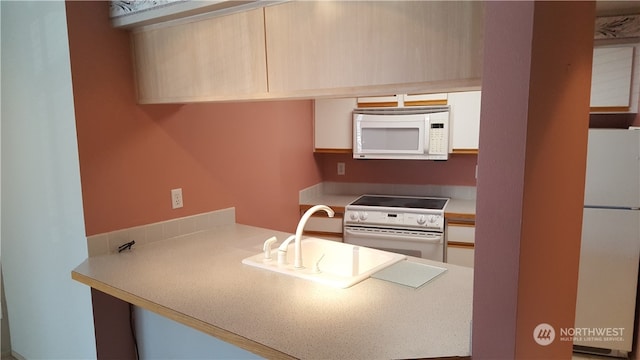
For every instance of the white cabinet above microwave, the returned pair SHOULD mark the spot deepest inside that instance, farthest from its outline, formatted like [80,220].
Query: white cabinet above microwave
[333,124]
[402,100]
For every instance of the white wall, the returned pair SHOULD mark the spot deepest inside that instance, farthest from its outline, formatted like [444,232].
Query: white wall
[161,338]
[43,235]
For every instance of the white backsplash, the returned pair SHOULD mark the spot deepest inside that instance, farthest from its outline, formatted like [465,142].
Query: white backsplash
[108,243]
[339,188]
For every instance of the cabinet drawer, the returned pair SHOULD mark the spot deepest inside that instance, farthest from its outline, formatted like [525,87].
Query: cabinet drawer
[461,232]
[324,225]
[460,255]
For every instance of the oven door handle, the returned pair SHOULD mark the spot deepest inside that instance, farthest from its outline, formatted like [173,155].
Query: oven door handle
[436,239]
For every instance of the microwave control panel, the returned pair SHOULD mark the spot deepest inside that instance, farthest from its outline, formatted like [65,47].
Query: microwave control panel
[438,138]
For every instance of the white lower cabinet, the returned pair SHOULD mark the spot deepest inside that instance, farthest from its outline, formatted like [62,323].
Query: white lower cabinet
[460,242]
[460,255]
[322,226]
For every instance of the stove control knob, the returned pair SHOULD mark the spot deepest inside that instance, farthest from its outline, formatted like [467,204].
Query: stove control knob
[353,215]
[435,220]
[422,219]
[363,215]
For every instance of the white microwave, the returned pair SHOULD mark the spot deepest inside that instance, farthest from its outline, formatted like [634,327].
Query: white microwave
[418,133]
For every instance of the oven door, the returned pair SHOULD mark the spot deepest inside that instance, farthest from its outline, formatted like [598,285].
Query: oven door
[422,244]
[379,135]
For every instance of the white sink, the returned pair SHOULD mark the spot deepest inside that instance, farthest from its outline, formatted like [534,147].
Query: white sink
[339,265]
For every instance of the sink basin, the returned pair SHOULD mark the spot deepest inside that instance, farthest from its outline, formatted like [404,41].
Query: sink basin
[339,265]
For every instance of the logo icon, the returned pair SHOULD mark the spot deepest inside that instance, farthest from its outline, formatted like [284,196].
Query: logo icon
[544,334]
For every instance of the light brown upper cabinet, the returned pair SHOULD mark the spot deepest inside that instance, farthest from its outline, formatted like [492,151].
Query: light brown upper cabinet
[217,58]
[311,49]
[348,47]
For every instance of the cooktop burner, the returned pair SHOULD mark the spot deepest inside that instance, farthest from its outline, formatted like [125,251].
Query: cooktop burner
[401,202]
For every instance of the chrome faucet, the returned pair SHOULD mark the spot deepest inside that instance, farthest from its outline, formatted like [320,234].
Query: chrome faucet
[282,250]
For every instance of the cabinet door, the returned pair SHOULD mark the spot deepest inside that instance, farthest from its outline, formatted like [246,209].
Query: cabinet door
[425,99]
[219,58]
[460,242]
[464,121]
[380,101]
[460,255]
[334,46]
[611,78]
[461,233]
[333,125]
[402,100]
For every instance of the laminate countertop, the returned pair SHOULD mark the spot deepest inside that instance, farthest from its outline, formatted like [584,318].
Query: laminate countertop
[199,280]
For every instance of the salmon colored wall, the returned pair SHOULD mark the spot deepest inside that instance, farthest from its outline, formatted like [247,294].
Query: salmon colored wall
[254,156]
[536,78]
[458,170]
[557,128]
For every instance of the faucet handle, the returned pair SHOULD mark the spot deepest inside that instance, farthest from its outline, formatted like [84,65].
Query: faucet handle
[282,250]
[266,247]
[316,267]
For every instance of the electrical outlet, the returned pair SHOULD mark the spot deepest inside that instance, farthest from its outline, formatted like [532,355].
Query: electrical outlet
[176,198]
[341,168]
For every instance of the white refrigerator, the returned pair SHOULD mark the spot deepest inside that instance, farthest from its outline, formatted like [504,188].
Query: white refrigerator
[610,250]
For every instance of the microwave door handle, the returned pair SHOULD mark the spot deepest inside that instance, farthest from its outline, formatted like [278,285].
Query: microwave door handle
[436,239]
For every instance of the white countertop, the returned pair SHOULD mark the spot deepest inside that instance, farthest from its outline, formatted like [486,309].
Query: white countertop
[331,200]
[460,208]
[199,280]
